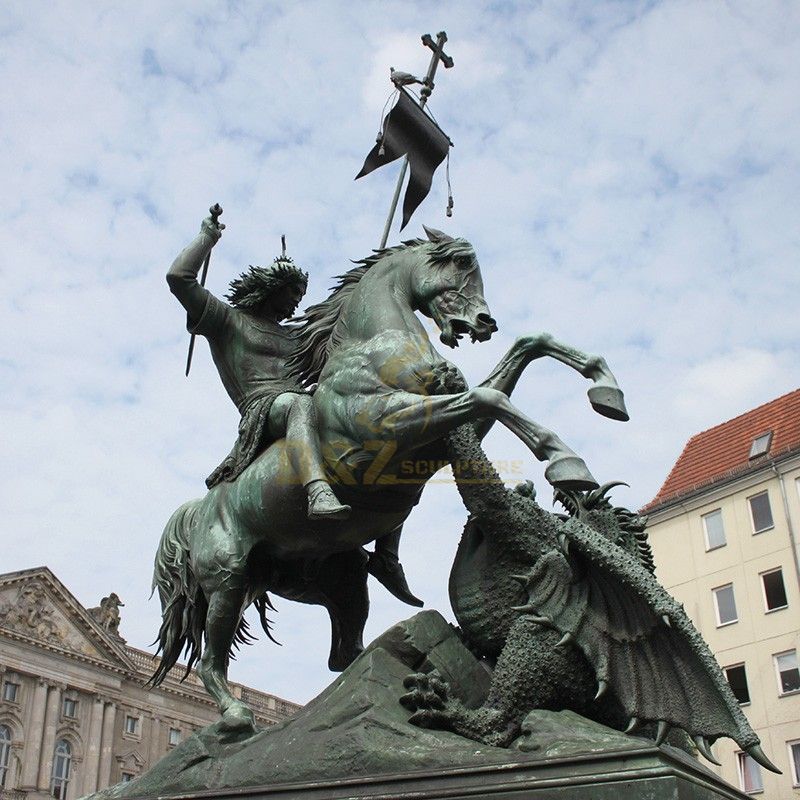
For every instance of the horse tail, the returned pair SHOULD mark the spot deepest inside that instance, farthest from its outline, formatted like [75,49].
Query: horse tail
[183,604]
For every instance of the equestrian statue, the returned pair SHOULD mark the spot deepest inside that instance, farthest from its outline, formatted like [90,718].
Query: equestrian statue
[565,611]
[333,407]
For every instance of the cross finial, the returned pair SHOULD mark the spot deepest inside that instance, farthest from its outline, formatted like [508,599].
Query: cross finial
[438,55]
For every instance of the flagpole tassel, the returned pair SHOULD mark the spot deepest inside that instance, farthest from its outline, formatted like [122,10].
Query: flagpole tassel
[449,211]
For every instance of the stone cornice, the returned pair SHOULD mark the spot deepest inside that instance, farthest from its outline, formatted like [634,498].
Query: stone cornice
[62,651]
[77,615]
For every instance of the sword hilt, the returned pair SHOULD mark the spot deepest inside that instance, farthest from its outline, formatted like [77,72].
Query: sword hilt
[216,213]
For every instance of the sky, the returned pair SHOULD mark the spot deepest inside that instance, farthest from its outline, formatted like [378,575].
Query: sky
[627,173]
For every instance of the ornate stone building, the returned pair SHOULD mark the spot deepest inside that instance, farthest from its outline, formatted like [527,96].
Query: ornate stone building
[75,715]
[723,528]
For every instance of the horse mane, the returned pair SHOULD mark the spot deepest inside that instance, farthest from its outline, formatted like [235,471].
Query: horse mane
[316,329]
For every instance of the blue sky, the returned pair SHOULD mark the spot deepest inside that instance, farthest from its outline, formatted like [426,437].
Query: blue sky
[627,172]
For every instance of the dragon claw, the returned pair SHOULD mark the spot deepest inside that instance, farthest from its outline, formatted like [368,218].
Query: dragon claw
[429,718]
[704,748]
[602,688]
[427,693]
[757,754]
[632,725]
[566,639]
[661,732]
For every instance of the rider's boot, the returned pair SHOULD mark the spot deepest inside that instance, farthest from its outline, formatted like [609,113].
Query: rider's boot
[323,503]
[384,564]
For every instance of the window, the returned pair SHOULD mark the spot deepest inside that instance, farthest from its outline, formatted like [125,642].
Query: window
[788,672]
[174,736]
[760,512]
[714,530]
[774,590]
[127,777]
[760,446]
[131,724]
[749,774]
[10,692]
[794,761]
[62,761]
[737,680]
[70,707]
[5,753]
[725,604]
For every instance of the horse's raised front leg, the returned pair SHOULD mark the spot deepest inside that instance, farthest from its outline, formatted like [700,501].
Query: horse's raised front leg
[605,395]
[425,419]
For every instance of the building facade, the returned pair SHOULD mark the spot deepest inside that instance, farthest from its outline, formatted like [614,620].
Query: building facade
[723,529]
[75,714]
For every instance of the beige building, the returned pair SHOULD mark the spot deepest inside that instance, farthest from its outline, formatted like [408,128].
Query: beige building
[75,714]
[724,528]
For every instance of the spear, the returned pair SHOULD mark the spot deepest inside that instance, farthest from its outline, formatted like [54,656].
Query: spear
[215,211]
[438,55]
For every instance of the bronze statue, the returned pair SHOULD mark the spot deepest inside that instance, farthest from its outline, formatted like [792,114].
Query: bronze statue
[250,349]
[381,399]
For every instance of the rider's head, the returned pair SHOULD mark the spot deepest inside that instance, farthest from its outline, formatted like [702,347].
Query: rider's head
[273,291]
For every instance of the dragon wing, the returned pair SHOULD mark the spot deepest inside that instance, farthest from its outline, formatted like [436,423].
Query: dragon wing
[640,642]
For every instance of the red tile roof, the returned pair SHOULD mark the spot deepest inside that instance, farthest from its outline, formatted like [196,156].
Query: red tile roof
[723,452]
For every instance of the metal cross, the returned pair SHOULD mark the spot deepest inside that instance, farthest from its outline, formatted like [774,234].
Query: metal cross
[438,55]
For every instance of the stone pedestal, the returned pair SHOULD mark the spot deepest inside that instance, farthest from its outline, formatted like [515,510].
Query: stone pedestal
[355,741]
[648,773]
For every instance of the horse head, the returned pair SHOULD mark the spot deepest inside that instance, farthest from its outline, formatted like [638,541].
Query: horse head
[448,288]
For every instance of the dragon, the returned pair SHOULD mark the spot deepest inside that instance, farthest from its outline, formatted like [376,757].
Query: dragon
[567,612]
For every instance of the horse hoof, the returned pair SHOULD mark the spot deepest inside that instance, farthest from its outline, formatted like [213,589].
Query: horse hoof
[570,472]
[342,660]
[608,401]
[238,717]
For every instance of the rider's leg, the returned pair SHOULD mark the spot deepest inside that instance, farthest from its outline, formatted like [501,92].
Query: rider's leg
[292,416]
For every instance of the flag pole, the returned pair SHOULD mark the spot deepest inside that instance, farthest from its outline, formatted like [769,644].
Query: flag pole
[438,55]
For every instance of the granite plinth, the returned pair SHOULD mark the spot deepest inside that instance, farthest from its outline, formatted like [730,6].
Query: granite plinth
[643,774]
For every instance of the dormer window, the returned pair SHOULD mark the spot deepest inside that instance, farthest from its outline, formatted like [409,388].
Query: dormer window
[760,446]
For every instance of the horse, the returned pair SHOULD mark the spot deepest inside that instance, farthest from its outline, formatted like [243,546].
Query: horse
[383,397]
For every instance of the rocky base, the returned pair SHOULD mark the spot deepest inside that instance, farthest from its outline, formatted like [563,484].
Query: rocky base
[354,740]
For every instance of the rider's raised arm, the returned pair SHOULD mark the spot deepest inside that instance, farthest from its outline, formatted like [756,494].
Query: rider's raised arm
[199,303]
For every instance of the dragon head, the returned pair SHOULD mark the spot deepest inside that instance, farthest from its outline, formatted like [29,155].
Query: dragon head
[619,525]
